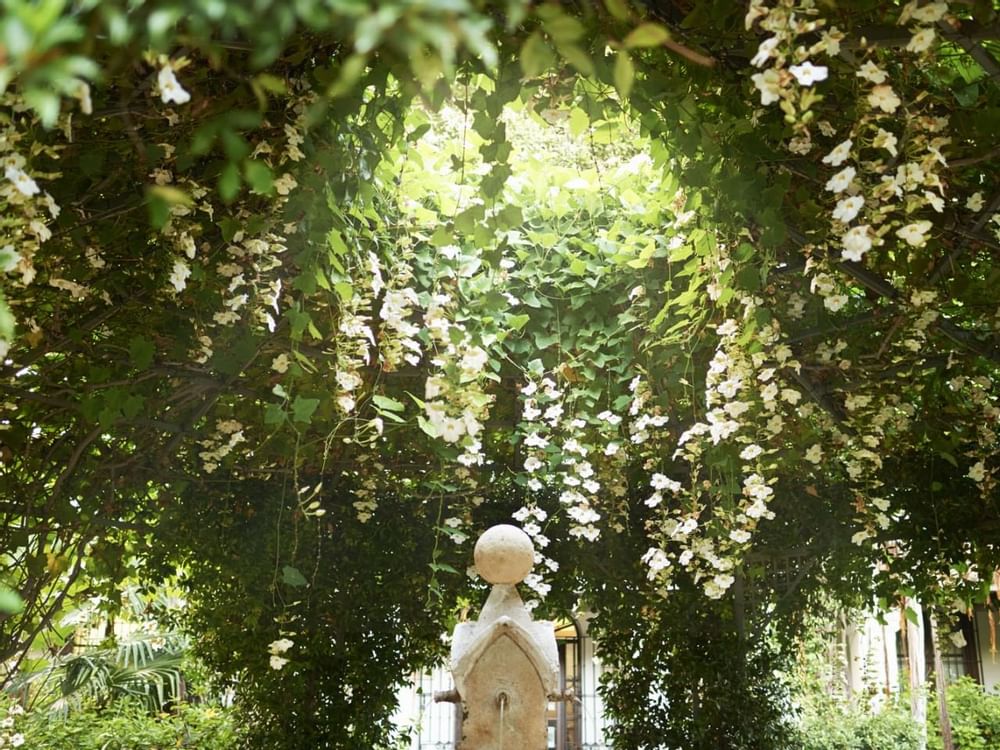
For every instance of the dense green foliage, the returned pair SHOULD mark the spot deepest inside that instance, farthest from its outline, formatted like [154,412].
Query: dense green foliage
[974,716]
[131,727]
[299,297]
[833,728]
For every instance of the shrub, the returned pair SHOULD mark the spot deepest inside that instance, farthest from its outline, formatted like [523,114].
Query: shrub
[128,726]
[974,714]
[831,727]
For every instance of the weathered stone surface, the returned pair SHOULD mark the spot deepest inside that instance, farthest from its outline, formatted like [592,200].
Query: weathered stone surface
[504,554]
[505,665]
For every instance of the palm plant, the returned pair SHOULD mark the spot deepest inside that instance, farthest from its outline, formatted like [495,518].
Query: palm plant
[145,667]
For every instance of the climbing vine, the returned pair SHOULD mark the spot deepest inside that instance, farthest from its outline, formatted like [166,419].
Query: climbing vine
[702,281]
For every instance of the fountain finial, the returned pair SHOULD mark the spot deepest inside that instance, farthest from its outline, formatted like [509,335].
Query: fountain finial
[504,554]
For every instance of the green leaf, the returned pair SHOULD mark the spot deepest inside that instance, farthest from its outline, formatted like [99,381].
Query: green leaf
[618,9]
[578,121]
[517,322]
[646,35]
[259,176]
[427,427]
[10,602]
[577,57]
[293,577]
[304,408]
[344,290]
[229,182]
[140,352]
[545,340]
[274,414]
[536,56]
[564,29]
[624,74]
[6,321]
[384,402]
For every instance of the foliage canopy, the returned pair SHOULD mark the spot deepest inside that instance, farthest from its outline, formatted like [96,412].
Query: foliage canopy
[702,294]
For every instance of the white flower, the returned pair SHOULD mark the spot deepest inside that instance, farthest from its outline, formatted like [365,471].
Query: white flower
[661,482]
[915,233]
[286,184]
[277,662]
[977,473]
[958,638]
[834,302]
[451,429]
[936,201]
[871,72]
[280,363]
[807,74]
[653,500]
[280,646]
[856,243]
[884,98]
[534,440]
[921,41]
[768,83]
[179,275]
[474,360]
[727,328]
[532,464]
[930,13]
[841,181]
[9,258]
[885,139]
[815,453]
[764,52]
[860,537]
[553,413]
[347,380]
[975,202]
[847,208]
[730,388]
[24,184]
[800,145]
[16,740]
[739,536]
[751,452]
[839,154]
[656,559]
[611,449]
[170,88]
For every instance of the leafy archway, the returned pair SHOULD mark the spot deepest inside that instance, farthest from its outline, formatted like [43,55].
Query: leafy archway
[690,287]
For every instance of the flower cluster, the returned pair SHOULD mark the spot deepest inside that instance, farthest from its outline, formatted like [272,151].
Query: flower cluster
[456,403]
[29,210]
[276,649]
[9,734]
[228,434]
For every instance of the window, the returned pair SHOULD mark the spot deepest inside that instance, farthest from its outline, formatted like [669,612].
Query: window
[564,716]
[956,661]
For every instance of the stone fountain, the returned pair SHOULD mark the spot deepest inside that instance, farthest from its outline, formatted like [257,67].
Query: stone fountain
[505,665]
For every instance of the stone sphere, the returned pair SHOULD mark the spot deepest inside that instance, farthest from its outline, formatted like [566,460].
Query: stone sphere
[504,554]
